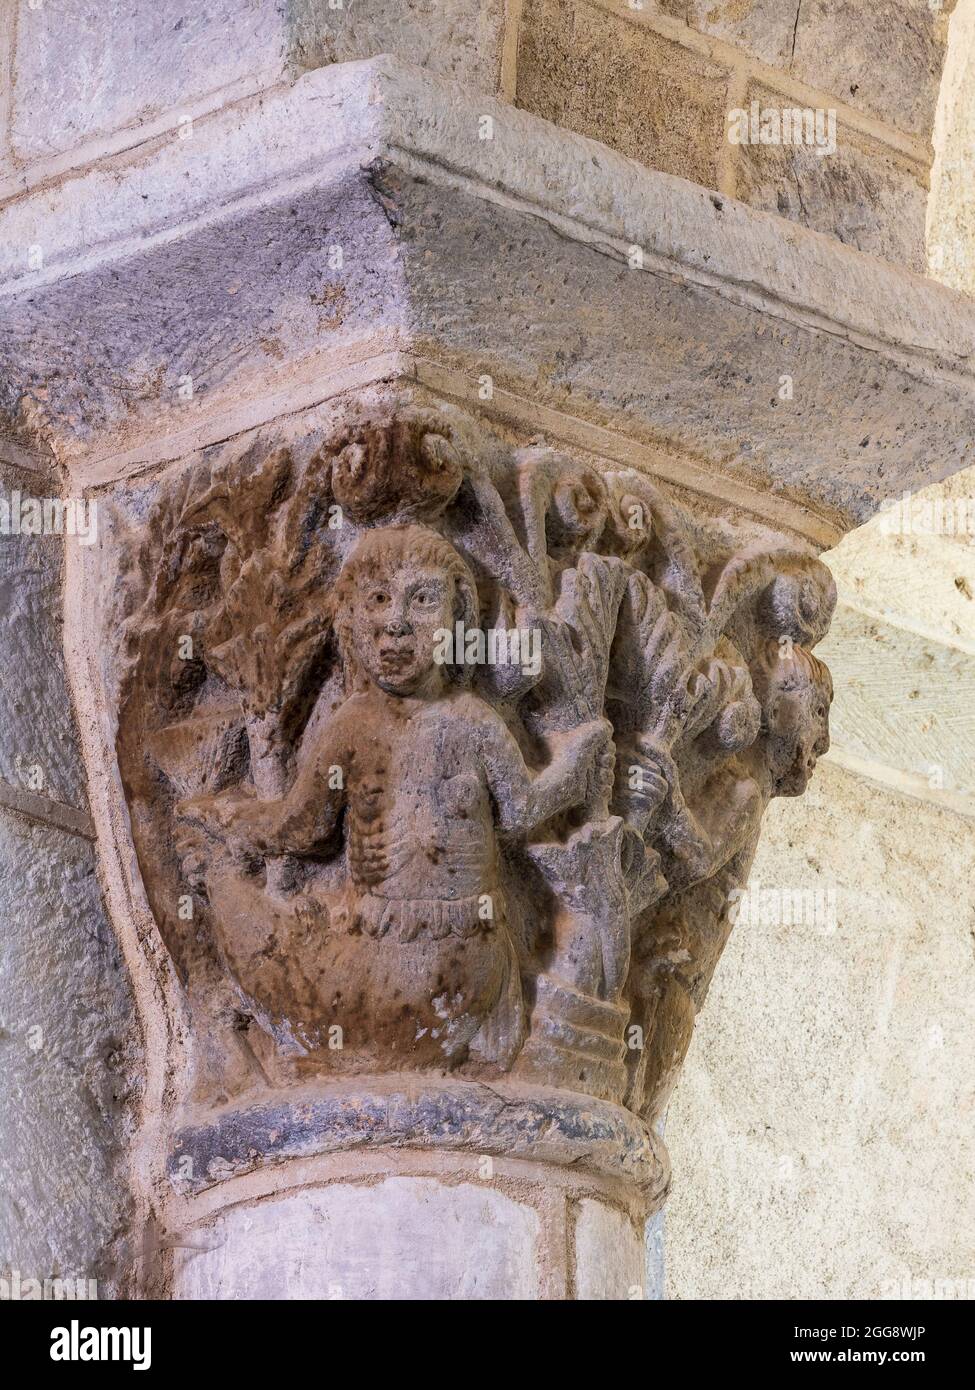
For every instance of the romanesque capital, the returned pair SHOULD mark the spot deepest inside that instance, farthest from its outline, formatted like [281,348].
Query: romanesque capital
[445,759]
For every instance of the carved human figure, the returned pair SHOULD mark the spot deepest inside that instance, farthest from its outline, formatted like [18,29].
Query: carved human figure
[419,777]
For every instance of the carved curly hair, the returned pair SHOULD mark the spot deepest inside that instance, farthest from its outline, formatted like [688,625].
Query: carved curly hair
[791,671]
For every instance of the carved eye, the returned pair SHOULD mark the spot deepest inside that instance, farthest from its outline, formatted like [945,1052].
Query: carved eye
[378,598]
[425,598]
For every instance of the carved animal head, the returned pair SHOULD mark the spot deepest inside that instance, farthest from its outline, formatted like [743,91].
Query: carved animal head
[794,690]
[399,591]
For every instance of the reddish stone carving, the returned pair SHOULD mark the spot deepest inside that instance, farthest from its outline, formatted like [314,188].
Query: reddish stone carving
[410,842]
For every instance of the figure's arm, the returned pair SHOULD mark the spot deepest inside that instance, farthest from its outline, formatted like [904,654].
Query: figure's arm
[526,799]
[303,820]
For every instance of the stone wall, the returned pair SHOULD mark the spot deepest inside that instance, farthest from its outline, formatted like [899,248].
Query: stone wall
[951,218]
[656,79]
[821,1132]
[69,1042]
[152,238]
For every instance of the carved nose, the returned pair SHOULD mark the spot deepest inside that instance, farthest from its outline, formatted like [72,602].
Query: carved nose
[396,627]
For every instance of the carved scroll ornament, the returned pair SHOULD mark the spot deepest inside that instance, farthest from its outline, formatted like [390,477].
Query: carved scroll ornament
[446,756]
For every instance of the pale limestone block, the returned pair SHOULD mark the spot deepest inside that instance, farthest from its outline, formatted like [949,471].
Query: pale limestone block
[402,1238]
[822,1125]
[609,1254]
[885,59]
[84,70]
[859,193]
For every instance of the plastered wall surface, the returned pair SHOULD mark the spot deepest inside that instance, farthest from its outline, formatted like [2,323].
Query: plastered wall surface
[821,1134]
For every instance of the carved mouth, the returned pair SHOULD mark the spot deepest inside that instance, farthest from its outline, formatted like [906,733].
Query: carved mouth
[395,660]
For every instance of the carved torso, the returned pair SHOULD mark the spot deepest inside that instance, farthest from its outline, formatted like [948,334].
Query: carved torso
[421,841]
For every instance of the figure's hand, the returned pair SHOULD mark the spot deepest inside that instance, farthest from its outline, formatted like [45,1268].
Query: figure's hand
[646,774]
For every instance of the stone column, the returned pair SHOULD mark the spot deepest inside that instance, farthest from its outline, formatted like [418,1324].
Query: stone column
[372,375]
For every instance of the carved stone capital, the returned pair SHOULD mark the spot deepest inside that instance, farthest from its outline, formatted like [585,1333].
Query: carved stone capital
[444,758]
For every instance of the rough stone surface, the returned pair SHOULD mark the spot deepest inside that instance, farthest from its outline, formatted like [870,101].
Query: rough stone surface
[904,639]
[887,63]
[555,1128]
[601,76]
[460,39]
[69,1050]
[762,28]
[861,194]
[403,1238]
[826,441]
[728,307]
[83,75]
[609,1254]
[408,859]
[906,701]
[38,745]
[951,215]
[821,1131]
[83,71]
[913,565]
[665,649]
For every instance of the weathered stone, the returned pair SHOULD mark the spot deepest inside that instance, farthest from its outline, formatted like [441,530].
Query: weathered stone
[887,63]
[914,563]
[765,29]
[69,1045]
[503,1119]
[460,39]
[951,218]
[902,694]
[860,194]
[824,1112]
[412,855]
[83,72]
[38,745]
[730,298]
[83,76]
[367,354]
[604,77]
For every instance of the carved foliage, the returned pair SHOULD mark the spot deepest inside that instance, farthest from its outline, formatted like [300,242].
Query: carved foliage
[456,754]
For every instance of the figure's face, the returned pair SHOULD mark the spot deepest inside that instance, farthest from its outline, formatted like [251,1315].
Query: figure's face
[798,722]
[395,620]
